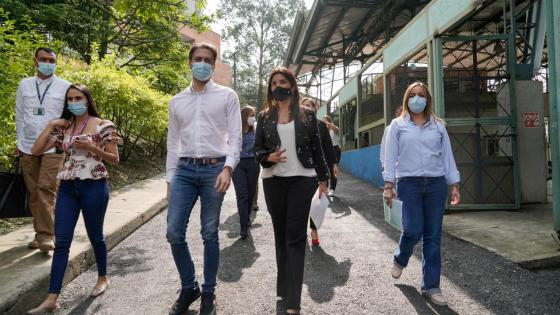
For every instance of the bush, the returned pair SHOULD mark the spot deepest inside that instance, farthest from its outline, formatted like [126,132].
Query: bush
[138,111]
[16,50]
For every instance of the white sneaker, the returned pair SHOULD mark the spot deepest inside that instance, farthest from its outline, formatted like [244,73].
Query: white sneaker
[331,193]
[396,271]
[437,299]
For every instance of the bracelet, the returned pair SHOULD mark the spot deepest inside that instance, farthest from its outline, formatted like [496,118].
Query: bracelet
[387,188]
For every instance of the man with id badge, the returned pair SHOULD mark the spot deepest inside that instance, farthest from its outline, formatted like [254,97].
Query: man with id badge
[39,100]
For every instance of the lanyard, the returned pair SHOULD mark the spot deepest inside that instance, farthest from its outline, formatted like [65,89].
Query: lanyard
[39,96]
[81,128]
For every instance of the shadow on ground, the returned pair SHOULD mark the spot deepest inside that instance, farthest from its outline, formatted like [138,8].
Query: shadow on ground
[323,273]
[235,258]
[464,264]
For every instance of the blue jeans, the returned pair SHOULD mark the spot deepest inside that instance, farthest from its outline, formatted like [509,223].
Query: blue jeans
[190,182]
[422,215]
[92,197]
[245,180]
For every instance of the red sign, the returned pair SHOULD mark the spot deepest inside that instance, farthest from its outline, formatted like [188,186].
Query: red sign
[531,119]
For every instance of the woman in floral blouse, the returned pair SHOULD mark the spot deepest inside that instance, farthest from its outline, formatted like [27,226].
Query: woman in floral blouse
[87,140]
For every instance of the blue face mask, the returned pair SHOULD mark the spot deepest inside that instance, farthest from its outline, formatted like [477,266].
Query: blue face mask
[46,68]
[417,104]
[77,108]
[202,71]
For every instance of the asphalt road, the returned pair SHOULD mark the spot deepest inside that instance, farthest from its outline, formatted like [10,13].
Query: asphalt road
[348,274]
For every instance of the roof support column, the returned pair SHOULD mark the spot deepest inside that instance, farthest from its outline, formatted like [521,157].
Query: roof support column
[553,44]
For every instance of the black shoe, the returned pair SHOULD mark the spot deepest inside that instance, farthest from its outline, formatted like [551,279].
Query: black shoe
[208,304]
[243,233]
[184,301]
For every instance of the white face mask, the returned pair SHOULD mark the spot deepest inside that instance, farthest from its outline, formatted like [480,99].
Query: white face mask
[251,120]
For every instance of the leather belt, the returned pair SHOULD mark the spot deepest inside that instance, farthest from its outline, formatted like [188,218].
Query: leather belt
[203,161]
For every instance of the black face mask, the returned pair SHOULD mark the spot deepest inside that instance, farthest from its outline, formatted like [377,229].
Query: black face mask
[281,93]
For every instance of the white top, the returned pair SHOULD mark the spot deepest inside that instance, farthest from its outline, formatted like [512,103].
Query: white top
[292,166]
[29,125]
[204,124]
[335,138]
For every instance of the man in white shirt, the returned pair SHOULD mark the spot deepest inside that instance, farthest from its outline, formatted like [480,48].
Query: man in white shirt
[40,99]
[203,148]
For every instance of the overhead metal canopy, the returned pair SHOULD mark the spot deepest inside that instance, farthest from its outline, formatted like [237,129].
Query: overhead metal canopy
[336,31]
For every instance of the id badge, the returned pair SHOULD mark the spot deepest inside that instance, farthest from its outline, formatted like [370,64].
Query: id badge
[39,111]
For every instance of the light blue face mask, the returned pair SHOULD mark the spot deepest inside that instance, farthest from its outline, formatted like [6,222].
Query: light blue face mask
[77,108]
[202,71]
[417,104]
[46,68]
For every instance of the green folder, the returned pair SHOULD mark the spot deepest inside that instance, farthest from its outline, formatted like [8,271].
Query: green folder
[393,215]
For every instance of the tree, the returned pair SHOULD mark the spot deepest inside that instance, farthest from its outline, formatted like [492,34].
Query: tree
[259,32]
[142,36]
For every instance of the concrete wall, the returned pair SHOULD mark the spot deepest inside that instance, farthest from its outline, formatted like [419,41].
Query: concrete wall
[364,164]
[533,169]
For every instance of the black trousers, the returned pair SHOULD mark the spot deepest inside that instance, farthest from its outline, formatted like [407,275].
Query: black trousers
[245,180]
[288,200]
[337,153]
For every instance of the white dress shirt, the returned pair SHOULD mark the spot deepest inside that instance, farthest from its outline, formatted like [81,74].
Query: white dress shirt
[204,124]
[29,125]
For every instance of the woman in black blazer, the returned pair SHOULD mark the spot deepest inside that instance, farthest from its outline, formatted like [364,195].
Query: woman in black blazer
[288,146]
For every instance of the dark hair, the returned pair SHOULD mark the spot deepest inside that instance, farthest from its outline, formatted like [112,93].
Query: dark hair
[271,102]
[45,49]
[91,107]
[245,114]
[210,47]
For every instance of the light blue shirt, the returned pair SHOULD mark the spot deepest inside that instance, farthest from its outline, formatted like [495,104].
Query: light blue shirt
[423,151]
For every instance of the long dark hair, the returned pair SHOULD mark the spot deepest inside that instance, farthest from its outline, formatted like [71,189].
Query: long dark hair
[271,102]
[91,106]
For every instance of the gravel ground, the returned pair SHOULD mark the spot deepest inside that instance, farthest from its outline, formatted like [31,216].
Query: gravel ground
[348,274]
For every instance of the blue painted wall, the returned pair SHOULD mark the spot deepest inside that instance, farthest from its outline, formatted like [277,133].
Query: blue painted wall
[363,163]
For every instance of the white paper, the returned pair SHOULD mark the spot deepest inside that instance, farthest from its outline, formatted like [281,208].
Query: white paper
[318,209]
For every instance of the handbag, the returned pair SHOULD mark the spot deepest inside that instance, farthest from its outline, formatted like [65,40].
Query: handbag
[13,193]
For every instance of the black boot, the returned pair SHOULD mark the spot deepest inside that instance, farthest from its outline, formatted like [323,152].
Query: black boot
[184,301]
[208,304]
[244,232]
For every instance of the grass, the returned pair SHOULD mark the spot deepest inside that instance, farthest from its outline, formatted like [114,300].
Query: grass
[138,167]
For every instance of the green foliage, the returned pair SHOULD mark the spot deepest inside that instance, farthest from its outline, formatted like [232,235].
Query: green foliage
[138,111]
[16,50]
[142,36]
[260,32]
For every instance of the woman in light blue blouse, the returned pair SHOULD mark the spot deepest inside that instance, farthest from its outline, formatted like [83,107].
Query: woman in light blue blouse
[246,174]
[419,157]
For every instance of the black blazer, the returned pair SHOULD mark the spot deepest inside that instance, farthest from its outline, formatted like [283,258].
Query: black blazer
[326,142]
[308,142]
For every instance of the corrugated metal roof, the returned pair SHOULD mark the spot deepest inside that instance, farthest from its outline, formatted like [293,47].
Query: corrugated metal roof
[334,31]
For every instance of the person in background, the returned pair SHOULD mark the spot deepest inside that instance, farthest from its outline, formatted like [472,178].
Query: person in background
[288,146]
[87,141]
[40,99]
[334,133]
[246,174]
[419,159]
[398,112]
[203,146]
[329,153]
